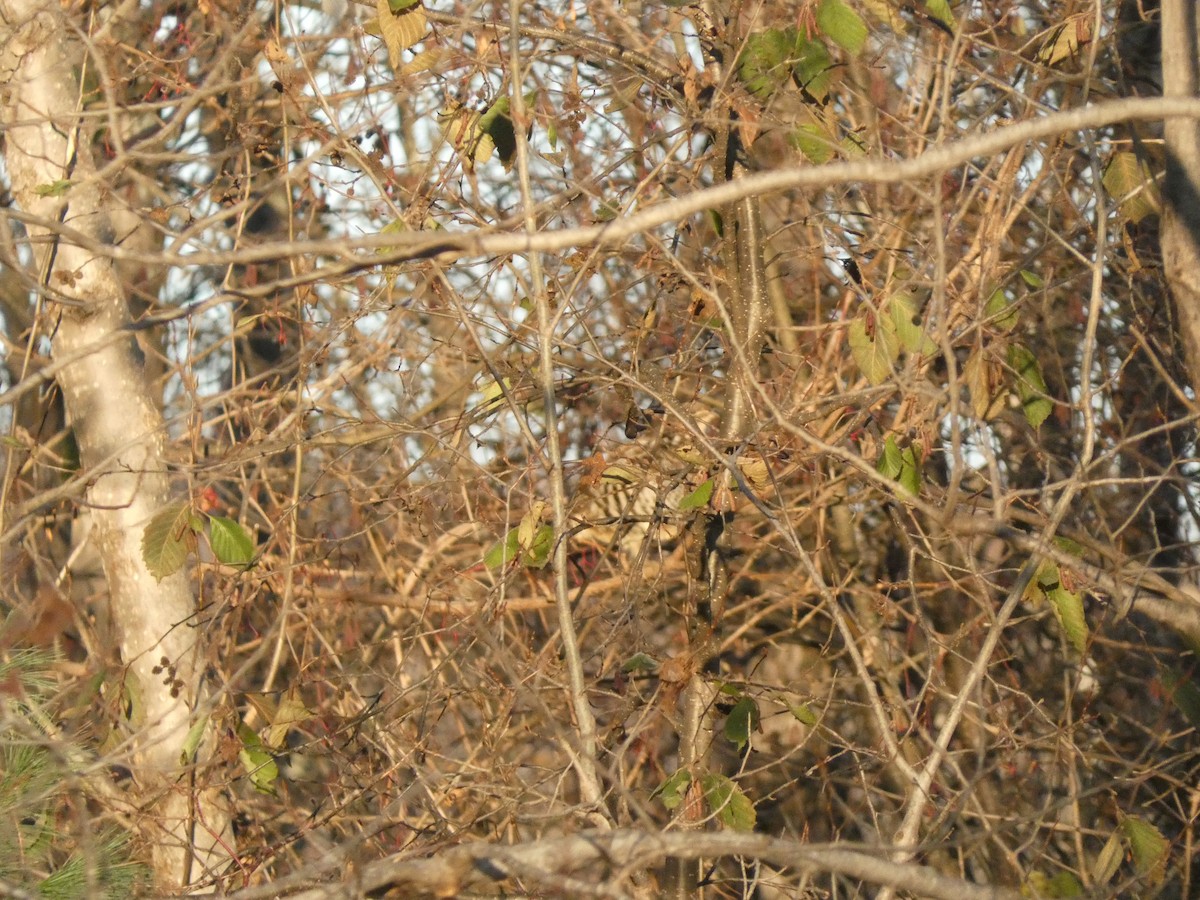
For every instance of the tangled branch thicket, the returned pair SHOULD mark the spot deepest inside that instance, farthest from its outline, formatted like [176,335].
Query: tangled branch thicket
[922,602]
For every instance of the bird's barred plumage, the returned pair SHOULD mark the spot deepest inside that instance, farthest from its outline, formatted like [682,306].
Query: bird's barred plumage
[630,493]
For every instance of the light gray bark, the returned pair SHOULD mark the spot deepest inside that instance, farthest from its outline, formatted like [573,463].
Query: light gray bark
[118,428]
[597,855]
[1181,215]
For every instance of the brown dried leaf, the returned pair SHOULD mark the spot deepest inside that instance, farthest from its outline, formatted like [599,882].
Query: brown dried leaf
[677,669]
[592,471]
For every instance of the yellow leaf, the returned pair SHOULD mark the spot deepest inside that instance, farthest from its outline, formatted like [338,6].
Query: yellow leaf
[1065,40]
[754,470]
[400,30]
[984,378]
[620,475]
[886,13]
[1109,860]
[461,127]
[530,524]
[874,345]
[291,711]
[691,454]
[1128,179]
[422,62]
[493,395]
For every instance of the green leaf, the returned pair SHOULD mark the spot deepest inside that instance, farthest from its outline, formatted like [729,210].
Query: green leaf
[640,662]
[803,714]
[697,499]
[766,61]
[532,539]
[259,764]
[771,56]
[813,142]
[498,110]
[842,25]
[537,554]
[1030,386]
[1032,279]
[169,536]
[1048,584]
[1068,609]
[874,345]
[853,146]
[1000,314]
[812,69]
[1128,179]
[1067,545]
[1184,694]
[1065,884]
[939,11]
[191,743]
[907,319]
[673,789]
[497,125]
[132,699]
[54,189]
[741,722]
[1148,848]
[398,6]
[910,470]
[606,211]
[903,466]
[732,807]
[1062,885]
[890,462]
[1044,581]
[504,550]
[230,542]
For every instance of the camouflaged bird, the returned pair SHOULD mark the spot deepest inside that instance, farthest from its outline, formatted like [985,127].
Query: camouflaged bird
[630,494]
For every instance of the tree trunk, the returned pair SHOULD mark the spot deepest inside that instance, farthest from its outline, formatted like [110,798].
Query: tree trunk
[118,428]
[1181,215]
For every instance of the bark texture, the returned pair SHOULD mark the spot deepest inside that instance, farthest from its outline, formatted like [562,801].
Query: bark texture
[1181,215]
[118,427]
